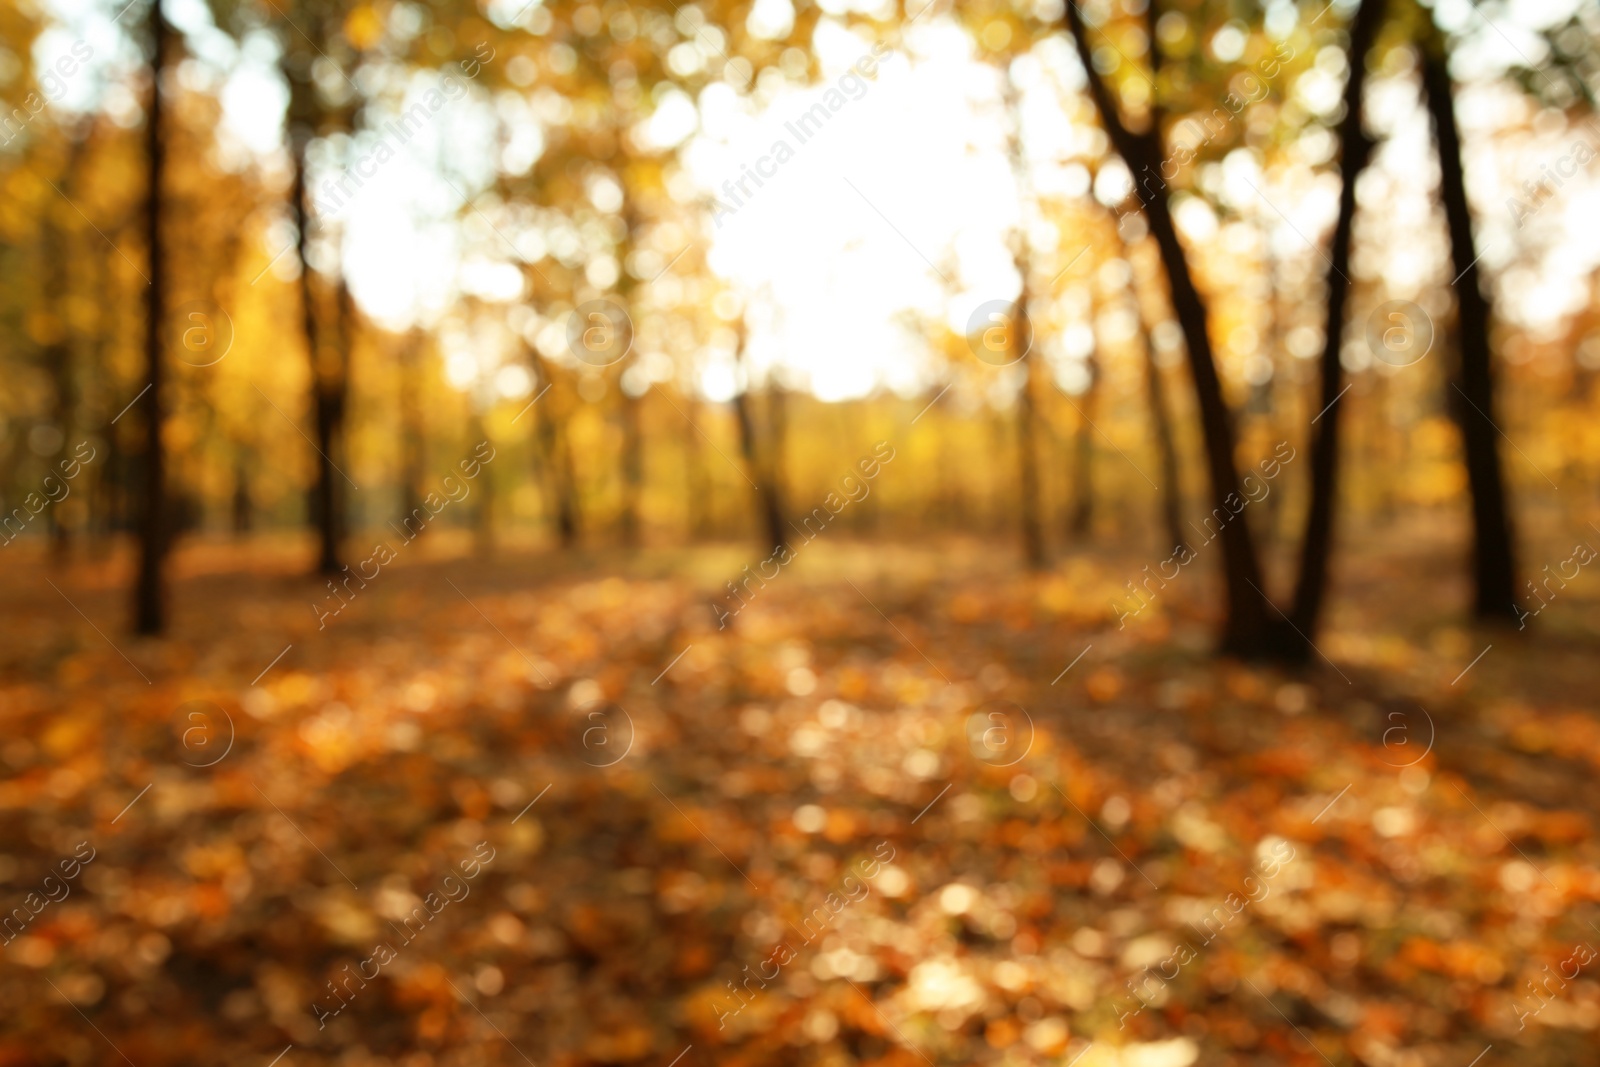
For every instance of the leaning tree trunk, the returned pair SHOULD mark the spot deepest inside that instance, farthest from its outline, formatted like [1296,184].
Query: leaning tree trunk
[1493,567]
[149,599]
[1356,149]
[1247,627]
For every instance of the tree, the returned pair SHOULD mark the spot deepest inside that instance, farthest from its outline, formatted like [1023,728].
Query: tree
[1019,336]
[329,356]
[771,507]
[149,597]
[1493,567]
[1355,150]
[55,244]
[1247,629]
[553,454]
[1080,516]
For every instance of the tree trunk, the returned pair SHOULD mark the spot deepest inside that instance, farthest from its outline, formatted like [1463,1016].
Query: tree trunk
[411,442]
[557,460]
[325,498]
[702,513]
[483,509]
[348,327]
[242,509]
[1247,627]
[1019,334]
[58,353]
[1028,458]
[1493,568]
[1356,149]
[149,600]
[766,492]
[778,431]
[632,468]
[1080,517]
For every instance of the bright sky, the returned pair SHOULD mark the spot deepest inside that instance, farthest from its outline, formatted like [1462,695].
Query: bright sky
[898,210]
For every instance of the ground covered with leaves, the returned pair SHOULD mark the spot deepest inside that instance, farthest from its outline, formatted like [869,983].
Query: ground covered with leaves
[910,805]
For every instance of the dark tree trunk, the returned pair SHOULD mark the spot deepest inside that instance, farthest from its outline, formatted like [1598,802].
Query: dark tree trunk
[632,468]
[1493,568]
[1356,149]
[1028,459]
[766,491]
[702,513]
[326,493]
[348,323]
[483,508]
[1248,628]
[556,460]
[58,353]
[242,508]
[778,430]
[149,599]
[1080,516]
[411,431]
[771,510]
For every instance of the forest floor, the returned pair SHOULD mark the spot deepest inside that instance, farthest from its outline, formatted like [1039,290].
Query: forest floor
[918,805]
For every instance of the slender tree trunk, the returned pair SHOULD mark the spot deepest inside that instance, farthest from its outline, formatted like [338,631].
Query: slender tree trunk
[1019,334]
[1248,628]
[242,511]
[556,459]
[766,492]
[632,468]
[98,493]
[1080,516]
[348,323]
[1028,460]
[149,603]
[58,354]
[1356,149]
[483,510]
[323,409]
[778,430]
[411,430]
[1493,566]
[702,513]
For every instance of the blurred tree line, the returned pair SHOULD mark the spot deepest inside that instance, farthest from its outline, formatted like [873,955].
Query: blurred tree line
[181,308]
